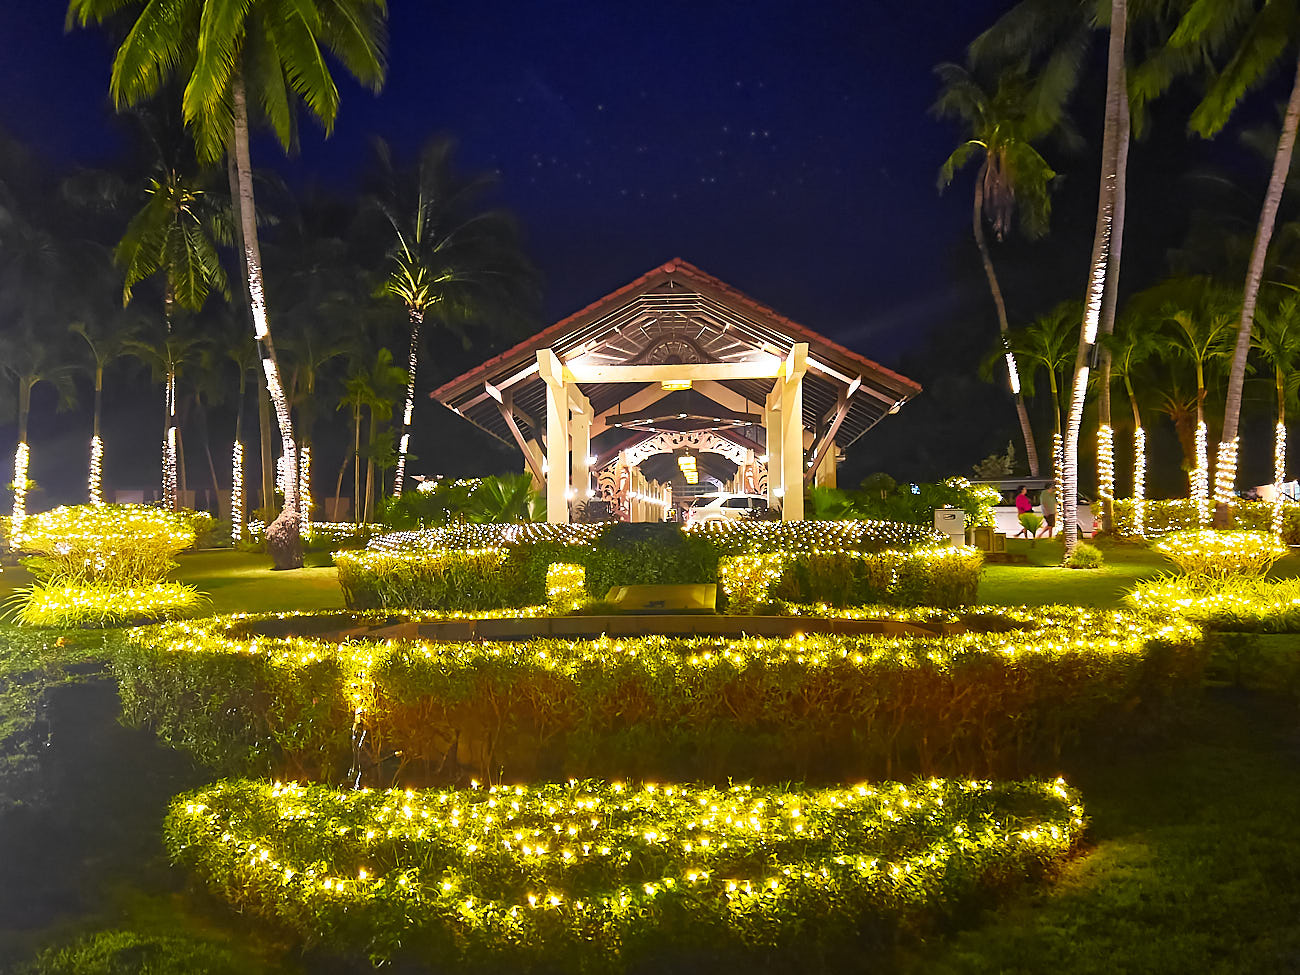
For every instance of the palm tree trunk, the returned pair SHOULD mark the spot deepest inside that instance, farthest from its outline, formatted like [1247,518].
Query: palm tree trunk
[1004,326]
[1139,461]
[21,456]
[417,319]
[96,479]
[283,537]
[1104,263]
[1227,460]
[1107,327]
[1279,454]
[171,500]
[356,461]
[338,489]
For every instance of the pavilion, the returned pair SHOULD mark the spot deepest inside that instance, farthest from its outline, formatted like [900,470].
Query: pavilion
[674,378]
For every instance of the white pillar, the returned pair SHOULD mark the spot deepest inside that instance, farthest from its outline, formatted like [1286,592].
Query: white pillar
[580,432]
[772,424]
[557,438]
[791,381]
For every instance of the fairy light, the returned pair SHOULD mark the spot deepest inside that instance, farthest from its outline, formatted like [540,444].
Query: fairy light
[237,493]
[1013,374]
[722,858]
[20,496]
[1201,477]
[408,412]
[1058,464]
[566,586]
[1105,462]
[1279,476]
[95,483]
[1139,480]
[1225,474]
[1218,554]
[304,489]
[170,497]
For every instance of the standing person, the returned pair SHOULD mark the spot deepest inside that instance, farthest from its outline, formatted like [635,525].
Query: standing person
[1047,498]
[1024,505]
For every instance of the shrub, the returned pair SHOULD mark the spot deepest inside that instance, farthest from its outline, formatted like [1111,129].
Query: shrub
[1009,694]
[648,553]
[739,537]
[566,587]
[1031,521]
[1084,556]
[1221,553]
[1237,603]
[99,604]
[457,579]
[119,545]
[945,577]
[1162,517]
[132,953]
[590,876]
[917,507]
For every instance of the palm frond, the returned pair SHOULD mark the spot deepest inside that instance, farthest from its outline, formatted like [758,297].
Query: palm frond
[293,28]
[157,42]
[355,32]
[1269,34]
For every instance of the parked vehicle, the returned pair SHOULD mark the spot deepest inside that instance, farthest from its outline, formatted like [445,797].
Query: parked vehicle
[723,507]
[1007,518]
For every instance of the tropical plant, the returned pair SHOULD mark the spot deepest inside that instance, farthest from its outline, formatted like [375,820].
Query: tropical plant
[106,338]
[1000,123]
[1236,45]
[1046,345]
[1278,340]
[506,498]
[1131,347]
[450,261]
[225,53]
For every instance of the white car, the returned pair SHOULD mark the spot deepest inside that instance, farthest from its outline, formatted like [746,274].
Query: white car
[724,507]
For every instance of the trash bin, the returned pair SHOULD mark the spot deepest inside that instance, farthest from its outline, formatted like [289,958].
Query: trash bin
[951,522]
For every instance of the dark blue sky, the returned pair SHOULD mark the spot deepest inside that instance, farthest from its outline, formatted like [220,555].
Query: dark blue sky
[784,147]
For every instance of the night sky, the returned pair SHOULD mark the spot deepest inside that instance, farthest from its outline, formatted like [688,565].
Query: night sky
[784,148]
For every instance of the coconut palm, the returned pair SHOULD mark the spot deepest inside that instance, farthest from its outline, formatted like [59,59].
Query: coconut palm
[226,54]
[1201,333]
[450,261]
[1130,349]
[241,350]
[376,387]
[1278,340]
[1048,344]
[106,339]
[1237,46]
[1000,128]
[174,235]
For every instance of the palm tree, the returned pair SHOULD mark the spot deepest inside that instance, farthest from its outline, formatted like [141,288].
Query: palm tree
[506,498]
[28,361]
[1130,349]
[226,53]
[106,340]
[1000,129]
[1048,344]
[242,351]
[449,260]
[1278,339]
[1249,40]
[174,235]
[1200,337]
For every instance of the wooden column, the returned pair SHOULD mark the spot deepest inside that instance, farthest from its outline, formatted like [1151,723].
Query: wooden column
[557,438]
[580,432]
[796,364]
[772,425]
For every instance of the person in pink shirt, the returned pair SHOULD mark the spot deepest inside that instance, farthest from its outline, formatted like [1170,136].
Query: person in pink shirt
[1024,505]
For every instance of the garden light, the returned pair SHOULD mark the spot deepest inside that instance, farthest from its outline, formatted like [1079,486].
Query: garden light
[20,497]
[95,483]
[1200,479]
[237,493]
[1225,474]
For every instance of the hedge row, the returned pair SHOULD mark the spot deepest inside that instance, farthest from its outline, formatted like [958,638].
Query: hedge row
[393,577]
[597,877]
[946,577]
[1179,514]
[1004,698]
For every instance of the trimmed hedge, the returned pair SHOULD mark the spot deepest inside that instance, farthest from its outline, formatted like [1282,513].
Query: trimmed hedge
[596,877]
[1179,514]
[1218,554]
[945,578]
[1008,697]
[452,579]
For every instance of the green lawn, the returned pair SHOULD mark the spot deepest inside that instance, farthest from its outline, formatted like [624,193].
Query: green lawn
[1044,582]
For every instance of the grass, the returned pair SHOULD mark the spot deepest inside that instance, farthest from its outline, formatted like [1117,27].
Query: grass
[1044,582]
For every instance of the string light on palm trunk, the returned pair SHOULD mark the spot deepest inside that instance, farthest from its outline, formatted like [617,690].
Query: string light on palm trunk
[1201,477]
[20,496]
[1225,475]
[1279,475]
[1139,480]
[237,493]
[304,490]
[96,471]
[1105,462]
[412,361]
[169,469]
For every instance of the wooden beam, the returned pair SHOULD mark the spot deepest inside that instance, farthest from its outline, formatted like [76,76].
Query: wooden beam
[768,367]
[841,411]
[508,415]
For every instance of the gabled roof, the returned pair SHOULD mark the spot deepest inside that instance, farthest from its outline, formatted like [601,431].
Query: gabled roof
[678,313]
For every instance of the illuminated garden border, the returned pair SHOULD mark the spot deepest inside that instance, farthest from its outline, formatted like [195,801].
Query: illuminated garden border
[596,874]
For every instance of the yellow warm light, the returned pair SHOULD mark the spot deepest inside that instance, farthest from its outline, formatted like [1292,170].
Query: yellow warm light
[20,497]
[1225,475]
[95,483]
[1201,477]
[237,493]
[1279,476]
[1105,462]
[672,385]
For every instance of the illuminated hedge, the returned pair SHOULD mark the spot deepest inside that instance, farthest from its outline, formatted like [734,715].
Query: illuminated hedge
[594,876]
[456,579]
[943,577]
[122,545]
[1217,554]
[1179,514]
[102,605]
[1009,694]
[1236,603]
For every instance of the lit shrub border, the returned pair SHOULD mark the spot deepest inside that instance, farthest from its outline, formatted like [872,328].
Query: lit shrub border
[1007,697]
[114,544]
[1236,603]
[453,579]
[1179,514]
[590,875]
[102,605]
[1217,554]
[945,578]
